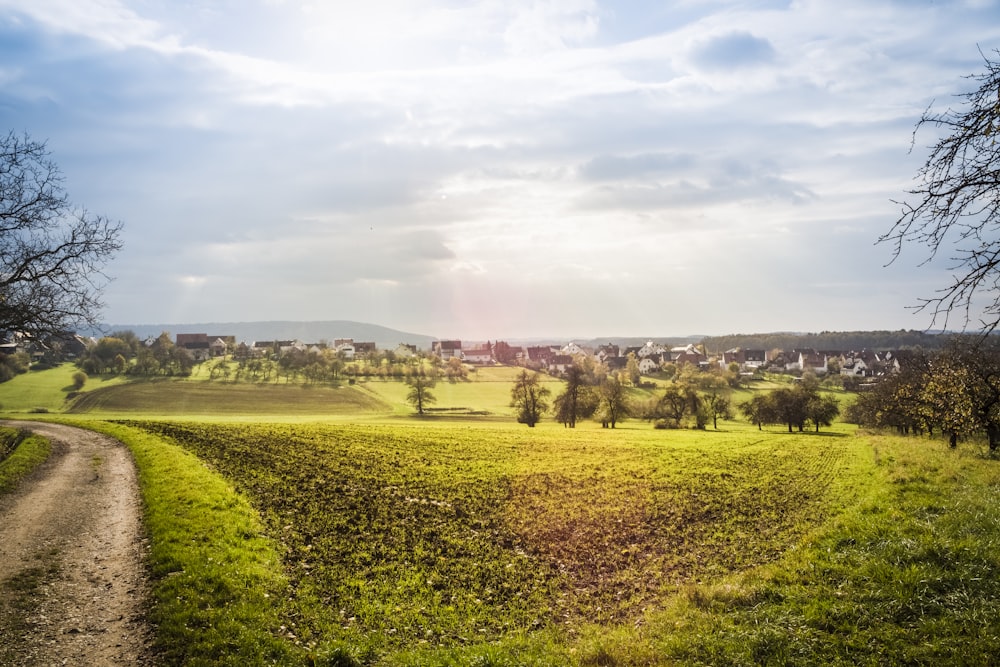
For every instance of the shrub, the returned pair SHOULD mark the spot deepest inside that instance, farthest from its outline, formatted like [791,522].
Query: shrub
[79,379]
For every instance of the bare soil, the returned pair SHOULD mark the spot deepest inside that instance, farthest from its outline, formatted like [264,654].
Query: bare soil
[73,584]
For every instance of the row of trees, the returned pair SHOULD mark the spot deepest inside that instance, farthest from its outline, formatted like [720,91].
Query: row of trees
[604,399]
[793,406]
[692,398]
[123,353]
[955,392]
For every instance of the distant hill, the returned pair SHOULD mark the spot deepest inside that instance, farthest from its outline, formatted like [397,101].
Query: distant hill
[307,332]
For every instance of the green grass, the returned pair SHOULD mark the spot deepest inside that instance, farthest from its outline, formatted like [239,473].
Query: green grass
[45,390]
[216,575]
[457,538]
[379,539]
[485,393]
[29,454]
[168,397]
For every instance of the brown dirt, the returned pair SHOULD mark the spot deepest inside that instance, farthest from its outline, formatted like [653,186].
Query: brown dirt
[73,584]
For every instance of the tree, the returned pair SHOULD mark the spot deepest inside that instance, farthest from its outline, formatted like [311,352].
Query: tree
[976,382]
[420,394]
[760,410]
[567,404]
[957,202]
[613,406]
[715,396]
[632,368]
[527,397]
[679,399]
[790,406]
[52,254]
[822,410]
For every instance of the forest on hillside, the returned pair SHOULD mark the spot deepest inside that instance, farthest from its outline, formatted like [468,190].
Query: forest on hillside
[842,341]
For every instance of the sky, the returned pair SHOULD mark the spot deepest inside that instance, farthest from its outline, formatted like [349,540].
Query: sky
[498,168]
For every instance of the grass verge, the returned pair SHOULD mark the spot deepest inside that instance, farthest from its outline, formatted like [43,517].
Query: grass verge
[215,575]
[29,454]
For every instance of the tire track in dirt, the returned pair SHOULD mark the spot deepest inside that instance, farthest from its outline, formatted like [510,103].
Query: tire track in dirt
[73,584]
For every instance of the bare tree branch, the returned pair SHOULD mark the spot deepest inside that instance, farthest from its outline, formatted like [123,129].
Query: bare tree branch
[51,254]
[956,205]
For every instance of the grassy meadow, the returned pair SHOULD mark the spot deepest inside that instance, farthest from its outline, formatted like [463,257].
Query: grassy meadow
[331,526]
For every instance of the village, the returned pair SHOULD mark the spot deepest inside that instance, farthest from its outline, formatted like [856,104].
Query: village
[651,357]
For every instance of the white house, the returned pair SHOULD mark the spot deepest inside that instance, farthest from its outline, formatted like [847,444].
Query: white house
[478,355]
[651,349]
[648,365]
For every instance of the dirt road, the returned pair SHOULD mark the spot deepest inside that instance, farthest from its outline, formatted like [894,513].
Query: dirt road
[73,588]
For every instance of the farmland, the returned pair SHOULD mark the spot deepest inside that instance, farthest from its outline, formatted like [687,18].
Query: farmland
[448,535]
[365,536]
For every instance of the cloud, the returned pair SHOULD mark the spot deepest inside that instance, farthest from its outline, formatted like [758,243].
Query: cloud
[616,167]
[735,50]
[405,161]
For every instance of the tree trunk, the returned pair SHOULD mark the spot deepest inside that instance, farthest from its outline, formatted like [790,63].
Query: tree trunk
[993,434]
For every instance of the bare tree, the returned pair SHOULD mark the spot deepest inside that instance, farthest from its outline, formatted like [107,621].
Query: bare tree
[956,204]
[51,253]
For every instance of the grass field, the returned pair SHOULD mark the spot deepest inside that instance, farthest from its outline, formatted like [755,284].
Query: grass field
[360,535]
[46,390]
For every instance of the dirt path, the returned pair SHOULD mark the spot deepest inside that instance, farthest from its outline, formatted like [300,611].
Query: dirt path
[73,588]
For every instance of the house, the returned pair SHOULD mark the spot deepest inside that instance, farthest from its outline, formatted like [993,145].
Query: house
[572,349]
[605,352]
[446,349]
[748,360]
[405,351]
[897,360]
[539,356]
[560,362]
[478,355]
[688,354]
[855,364]
[807,360]
[265,348]
[196,344]
[615,364]
[648,365]
[345,349]
[503,353]
[651,349]
[364,349]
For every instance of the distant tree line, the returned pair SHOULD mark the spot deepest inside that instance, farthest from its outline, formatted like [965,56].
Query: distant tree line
[830,340]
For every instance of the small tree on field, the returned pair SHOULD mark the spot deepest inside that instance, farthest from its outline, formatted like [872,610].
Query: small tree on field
[759,410]
[568,404]
[822,410]
[79,379]
[419,395]
[528,398]
[715,394]
[613,406]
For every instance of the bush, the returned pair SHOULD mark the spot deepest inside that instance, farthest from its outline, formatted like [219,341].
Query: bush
[79,379]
